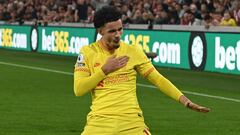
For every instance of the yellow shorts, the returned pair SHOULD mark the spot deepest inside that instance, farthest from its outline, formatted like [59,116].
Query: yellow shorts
[100,125]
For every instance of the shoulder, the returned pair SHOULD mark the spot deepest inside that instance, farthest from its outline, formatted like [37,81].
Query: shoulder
[232,20]
[134,51]
[131,48]
[89,49]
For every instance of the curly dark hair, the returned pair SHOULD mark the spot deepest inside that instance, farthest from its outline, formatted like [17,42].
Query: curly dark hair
[105,15]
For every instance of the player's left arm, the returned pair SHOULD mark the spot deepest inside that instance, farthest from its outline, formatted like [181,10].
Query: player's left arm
[147,70]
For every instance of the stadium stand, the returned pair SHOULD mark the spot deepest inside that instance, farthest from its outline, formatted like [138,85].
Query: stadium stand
[177,12]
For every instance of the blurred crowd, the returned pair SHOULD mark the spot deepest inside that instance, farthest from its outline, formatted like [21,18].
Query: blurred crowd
[182,12]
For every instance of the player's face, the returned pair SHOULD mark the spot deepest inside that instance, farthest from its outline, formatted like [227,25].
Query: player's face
[111,34]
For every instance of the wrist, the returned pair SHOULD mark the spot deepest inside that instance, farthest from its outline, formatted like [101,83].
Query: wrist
[185,101]
[105,70]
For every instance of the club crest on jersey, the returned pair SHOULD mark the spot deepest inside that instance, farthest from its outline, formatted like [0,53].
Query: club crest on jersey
[80,61]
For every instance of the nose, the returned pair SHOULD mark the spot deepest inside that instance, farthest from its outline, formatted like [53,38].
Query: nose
[118,33]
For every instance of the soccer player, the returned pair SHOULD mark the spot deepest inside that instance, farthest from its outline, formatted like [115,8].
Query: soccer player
[107,68]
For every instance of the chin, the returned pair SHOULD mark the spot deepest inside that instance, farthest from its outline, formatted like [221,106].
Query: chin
[116,46]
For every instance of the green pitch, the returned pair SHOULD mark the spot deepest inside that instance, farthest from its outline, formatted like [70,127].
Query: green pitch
[34,101]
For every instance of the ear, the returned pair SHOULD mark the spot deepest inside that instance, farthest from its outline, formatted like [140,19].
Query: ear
[100,31]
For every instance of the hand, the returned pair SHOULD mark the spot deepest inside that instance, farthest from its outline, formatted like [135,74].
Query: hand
[197,108]
[189,104]
[114,63]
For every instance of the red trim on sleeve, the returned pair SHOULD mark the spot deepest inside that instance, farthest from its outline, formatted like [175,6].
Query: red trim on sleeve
[82,69]
[148,72]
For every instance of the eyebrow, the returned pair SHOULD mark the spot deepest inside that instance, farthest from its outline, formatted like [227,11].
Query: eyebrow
[114,30]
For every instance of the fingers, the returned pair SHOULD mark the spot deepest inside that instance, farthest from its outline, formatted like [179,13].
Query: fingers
[203,109]
[122,61]
[123,58]
[198,108]
[114,63]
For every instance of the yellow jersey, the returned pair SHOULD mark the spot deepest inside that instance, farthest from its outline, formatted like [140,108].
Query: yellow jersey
[115,94]
[230,22]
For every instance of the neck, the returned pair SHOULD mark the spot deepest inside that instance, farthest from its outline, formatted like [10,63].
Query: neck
[106,47]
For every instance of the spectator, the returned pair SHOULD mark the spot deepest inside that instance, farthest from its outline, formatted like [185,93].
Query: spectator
[207,21]
[69,15]
[197,3]
[61,13]
[159,8]
[161,18]
[209,4]
[134,11]
[137,17]
[82,10]
[195,11]
[192,19]
[97,4]
[173,14]
[179,9]
[204,11]
[30,14]
[184,19]
[126,10]
[5,13]
[90,14]
[236,13]
[218,6]
[227,20]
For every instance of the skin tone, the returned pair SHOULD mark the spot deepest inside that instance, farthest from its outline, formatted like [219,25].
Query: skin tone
[110,41]
[111,35]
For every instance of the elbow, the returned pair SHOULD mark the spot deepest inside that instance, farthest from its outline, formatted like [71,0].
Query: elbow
[77,94]
[77,91]
[78,88]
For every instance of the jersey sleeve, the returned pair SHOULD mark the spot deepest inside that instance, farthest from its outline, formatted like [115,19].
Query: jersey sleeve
[164,85]
[84,80]
[147,70]
[144,65]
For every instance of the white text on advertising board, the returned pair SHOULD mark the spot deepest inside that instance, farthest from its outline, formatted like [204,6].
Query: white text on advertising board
[229,56]
[60,41]
[167,52]
[8,38]
[140,40]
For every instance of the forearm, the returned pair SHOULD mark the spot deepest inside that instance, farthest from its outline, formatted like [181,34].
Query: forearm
[83,85]
[169,89]
[164,85]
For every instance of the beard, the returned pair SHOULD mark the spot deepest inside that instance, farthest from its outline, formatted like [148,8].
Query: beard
[116,43]
[113,43]
[116,46]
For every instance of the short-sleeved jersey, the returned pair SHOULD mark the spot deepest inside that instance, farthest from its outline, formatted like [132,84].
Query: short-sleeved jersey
[115,95]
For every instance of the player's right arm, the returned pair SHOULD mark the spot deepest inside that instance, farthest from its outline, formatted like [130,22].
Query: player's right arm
[84,84]
[84,80]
